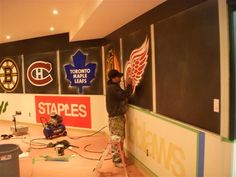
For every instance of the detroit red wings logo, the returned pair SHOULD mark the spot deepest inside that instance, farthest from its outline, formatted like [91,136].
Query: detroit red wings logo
[135,66]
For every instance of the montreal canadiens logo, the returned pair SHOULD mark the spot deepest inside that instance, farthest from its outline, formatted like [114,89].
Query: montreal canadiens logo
[38,73]
[9,75]
[135,66]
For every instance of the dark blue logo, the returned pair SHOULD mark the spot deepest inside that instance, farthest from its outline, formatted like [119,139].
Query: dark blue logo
[79,74]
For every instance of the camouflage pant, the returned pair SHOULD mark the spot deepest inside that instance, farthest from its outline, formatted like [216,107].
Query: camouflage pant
[117,127]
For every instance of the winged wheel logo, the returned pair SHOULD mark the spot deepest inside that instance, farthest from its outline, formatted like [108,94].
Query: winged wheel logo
[135,66]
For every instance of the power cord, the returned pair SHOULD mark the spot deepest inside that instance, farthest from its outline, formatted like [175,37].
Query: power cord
[88,158]
[40,145]
[85,149]
[78,137]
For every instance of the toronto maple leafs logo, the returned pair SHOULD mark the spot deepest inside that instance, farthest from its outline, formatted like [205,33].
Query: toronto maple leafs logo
[135,66]
[79,74]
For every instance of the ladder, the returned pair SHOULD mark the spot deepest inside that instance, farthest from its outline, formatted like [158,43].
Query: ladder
[116,142]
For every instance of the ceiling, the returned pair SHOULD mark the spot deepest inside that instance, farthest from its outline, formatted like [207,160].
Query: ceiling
[82,19]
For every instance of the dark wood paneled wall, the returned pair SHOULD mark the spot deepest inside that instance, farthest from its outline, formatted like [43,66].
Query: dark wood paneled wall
[165,10]
[45,44]
[191,50]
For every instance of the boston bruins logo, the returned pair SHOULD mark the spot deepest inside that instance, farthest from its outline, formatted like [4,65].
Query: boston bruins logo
[9,75]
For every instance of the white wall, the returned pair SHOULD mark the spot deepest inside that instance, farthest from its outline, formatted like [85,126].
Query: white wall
[171,148]
[165,146]
[26,104]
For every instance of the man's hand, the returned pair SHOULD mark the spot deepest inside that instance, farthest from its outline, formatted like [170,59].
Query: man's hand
[128,81]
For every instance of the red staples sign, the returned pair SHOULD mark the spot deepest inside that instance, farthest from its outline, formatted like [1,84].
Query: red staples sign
[74,110]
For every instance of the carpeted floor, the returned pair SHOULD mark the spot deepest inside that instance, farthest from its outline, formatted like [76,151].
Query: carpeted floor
[38,160]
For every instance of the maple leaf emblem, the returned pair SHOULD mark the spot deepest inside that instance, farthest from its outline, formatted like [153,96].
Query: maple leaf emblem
[79,74]
[135,66]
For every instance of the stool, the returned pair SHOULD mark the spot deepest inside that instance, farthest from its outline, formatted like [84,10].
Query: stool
[115,140]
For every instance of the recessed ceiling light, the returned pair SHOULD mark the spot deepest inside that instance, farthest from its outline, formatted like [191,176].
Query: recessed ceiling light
[51,28]
[55,12]
[8,37]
